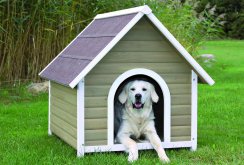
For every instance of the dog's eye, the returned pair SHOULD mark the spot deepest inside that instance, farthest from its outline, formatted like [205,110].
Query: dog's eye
[144,89]
[133,89]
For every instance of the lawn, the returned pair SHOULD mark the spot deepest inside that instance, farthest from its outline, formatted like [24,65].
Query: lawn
[23,119]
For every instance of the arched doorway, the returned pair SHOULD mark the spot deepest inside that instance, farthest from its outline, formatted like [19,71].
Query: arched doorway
[159,83]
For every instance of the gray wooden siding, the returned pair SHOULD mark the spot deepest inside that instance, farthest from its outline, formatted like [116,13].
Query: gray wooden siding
[63,113]
[142,47]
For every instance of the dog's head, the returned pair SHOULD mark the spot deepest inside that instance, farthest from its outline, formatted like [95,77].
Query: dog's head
[138,93]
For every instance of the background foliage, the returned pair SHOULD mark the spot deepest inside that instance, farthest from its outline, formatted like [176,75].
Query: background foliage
[233,11]
[33,32]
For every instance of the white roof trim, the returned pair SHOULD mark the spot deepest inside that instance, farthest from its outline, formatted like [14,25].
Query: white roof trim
[201,72]
[106,49]
[143,9]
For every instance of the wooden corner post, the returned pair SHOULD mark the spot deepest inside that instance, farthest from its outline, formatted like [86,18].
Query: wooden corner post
[49,108]
[80,119]
[194,111]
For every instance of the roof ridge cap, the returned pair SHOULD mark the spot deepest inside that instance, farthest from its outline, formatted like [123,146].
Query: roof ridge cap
[145,9]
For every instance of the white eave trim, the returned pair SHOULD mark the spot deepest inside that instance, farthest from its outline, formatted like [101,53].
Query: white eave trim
[143,9]
[106,49]
[201,72]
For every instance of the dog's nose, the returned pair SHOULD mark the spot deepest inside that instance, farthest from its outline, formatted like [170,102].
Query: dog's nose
[138,96]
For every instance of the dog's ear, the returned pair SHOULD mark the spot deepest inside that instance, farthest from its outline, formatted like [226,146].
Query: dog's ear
[123,95]
[154,95]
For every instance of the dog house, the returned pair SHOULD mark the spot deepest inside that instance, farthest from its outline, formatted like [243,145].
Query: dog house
[113,48]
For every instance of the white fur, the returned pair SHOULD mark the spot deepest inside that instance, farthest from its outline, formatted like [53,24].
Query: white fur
[139,121]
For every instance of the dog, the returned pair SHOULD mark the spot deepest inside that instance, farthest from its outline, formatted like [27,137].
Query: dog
[137,120]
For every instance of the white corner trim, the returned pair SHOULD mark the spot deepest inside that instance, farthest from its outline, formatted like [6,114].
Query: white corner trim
[143,9]
[194,111]
[140,146]
[49,108]
[65,48]
[80,119]
[181,49]
[166,96]
[106,49]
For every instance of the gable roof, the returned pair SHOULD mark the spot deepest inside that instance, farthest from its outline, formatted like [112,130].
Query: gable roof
[98,38]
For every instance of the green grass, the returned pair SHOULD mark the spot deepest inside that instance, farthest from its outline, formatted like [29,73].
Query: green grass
[23,129]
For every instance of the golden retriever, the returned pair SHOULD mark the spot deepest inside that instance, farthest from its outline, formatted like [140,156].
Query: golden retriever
[138,119]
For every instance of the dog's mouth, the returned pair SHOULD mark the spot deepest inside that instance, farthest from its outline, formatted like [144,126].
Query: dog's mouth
[138,105]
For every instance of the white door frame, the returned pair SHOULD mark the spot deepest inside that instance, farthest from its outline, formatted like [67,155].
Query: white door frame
[166,96]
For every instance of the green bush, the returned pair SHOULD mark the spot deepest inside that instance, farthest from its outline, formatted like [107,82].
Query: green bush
[234,15]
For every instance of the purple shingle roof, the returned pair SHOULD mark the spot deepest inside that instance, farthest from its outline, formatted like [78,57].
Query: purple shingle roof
[99,37]
[84,48]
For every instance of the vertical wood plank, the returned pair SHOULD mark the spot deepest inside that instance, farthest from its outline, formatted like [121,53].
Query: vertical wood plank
[194,112]
[80,119]
[49,108]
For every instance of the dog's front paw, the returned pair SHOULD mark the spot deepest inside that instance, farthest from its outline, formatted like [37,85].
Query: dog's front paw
[164,158]
[133,156]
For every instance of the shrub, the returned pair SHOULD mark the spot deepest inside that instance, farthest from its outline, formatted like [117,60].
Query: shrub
[234,15]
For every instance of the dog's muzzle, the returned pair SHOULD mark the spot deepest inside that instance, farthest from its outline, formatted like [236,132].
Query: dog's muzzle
[138,104]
